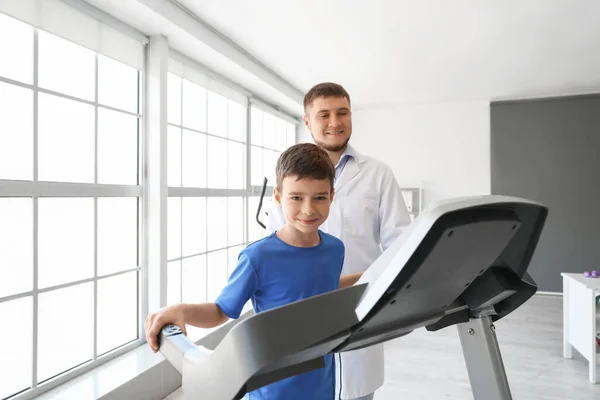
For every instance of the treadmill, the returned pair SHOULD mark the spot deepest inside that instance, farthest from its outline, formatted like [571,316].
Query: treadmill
[463,262]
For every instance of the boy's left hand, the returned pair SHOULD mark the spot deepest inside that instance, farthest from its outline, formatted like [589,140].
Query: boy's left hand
[173,314]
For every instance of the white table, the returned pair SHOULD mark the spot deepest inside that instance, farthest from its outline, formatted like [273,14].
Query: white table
[581,318]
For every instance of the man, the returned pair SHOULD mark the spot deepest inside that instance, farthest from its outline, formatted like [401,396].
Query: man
[368,214]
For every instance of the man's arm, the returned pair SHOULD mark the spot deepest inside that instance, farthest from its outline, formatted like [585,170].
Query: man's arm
[348,280]
[204,315]
[393,213]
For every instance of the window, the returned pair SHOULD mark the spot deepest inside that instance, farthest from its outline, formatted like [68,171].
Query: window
[69,178]
[207,189]
[270,135]
[71,193]
[211,208]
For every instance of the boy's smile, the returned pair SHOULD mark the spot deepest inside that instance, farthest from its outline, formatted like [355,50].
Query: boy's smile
[308,221]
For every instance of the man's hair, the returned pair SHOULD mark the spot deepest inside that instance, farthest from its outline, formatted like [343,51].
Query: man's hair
[304,160]
[325,89]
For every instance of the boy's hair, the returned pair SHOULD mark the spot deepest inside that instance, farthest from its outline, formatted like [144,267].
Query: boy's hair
[305,160]
[325,89]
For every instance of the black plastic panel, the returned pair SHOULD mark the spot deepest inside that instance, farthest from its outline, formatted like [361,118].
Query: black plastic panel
[472,262]
[460,247]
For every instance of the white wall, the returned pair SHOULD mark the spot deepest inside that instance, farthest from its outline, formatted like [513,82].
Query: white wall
[446,146]
[303,134]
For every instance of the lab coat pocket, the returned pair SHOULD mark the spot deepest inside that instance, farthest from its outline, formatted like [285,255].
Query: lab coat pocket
[360,217]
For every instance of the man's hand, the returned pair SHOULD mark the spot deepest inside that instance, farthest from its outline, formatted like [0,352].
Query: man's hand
[174,314]
[348,280]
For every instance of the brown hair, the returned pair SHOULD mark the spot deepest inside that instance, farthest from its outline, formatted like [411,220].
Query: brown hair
[325,89]
[306,160]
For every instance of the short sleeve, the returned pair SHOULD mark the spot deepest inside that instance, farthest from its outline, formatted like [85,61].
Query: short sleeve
[342,252]
[242,285]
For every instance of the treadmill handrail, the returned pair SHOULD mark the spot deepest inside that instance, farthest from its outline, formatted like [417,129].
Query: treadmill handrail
[489,241]
[260,202]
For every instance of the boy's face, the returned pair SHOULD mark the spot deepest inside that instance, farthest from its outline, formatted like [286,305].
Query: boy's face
[305,202]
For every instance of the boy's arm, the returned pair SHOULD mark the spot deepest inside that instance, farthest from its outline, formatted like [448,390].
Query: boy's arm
[241,286]
[204,315]
[348,280]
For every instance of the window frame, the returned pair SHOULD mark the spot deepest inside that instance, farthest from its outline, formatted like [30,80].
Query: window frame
[34,189]
[147,294]
[255,191]
[181,192]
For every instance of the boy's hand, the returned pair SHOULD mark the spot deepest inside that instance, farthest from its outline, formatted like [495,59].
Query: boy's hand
[174,314]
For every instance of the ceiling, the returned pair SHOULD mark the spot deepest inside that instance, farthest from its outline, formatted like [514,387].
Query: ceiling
[393,52]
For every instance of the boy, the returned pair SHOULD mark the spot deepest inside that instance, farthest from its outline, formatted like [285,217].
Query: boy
[293,263]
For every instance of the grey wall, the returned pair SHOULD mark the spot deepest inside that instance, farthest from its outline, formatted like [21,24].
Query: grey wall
[549,151]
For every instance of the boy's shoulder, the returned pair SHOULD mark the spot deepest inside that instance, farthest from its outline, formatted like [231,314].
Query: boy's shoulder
[259,244]
[329,239]
[259,248]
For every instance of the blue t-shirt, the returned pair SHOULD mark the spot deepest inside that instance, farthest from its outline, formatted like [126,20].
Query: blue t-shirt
[272,273]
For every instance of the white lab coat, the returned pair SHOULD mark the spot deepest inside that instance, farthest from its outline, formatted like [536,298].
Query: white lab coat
[368,213]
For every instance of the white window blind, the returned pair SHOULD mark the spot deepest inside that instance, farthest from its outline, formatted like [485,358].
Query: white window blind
[73,24]
[194,72]
[263,106]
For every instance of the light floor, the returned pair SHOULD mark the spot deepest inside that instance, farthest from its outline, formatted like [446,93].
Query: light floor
[430,365]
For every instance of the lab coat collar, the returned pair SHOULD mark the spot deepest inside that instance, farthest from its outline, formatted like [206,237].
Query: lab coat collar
[351,169]
[351,151]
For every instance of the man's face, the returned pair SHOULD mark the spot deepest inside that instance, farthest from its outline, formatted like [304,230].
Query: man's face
[305,202]
[329,119]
